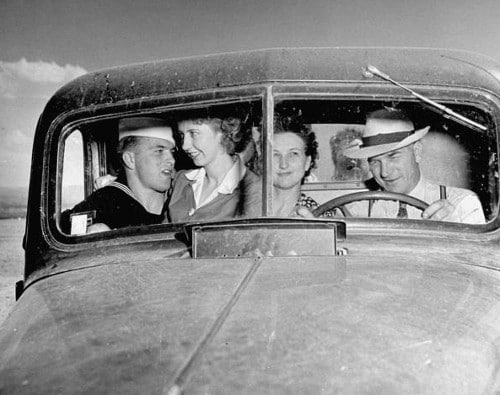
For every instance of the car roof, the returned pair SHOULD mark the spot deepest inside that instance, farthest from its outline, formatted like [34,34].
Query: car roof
[407,65]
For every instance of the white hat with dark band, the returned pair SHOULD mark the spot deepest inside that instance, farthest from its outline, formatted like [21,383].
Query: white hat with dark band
[145,127]
[385,130]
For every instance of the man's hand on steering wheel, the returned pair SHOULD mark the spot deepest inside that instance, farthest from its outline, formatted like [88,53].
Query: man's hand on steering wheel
[441,210]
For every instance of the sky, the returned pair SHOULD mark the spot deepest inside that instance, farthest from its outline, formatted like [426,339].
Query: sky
[46,43]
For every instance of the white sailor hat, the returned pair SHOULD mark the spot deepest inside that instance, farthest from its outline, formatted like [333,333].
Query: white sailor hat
[145,127]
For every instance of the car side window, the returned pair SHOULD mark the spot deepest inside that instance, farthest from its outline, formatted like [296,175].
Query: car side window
[72,188]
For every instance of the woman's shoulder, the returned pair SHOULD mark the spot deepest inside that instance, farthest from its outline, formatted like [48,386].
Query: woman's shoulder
[184,176]
[251,181]
[250,195]
[250,176]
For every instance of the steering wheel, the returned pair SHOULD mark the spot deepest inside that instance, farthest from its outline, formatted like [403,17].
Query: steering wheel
[341,201]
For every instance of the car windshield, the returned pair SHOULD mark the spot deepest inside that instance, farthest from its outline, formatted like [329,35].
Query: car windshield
[222,161]
[460,160]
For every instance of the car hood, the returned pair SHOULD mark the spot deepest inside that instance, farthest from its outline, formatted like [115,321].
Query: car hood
[257,325]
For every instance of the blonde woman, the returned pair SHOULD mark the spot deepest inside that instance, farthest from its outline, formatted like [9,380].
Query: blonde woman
[221,187]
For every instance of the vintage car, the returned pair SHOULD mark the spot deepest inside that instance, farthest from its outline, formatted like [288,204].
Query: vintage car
[265,304]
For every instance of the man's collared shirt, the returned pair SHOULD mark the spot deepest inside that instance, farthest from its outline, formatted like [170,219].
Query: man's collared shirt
[467,204]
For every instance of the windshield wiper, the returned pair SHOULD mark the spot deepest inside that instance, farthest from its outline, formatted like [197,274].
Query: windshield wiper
[448,112]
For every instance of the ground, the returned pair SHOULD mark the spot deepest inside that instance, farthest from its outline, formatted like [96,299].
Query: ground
[11,262]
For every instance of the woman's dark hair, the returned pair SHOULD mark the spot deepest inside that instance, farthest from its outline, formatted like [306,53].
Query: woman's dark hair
[294,124]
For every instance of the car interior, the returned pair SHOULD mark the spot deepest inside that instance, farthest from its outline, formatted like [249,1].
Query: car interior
[454,154]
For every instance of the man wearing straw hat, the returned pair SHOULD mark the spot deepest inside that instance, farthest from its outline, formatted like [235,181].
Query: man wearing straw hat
[394,151]
[137,196]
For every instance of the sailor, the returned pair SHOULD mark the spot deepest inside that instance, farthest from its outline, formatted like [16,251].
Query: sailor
[137,196]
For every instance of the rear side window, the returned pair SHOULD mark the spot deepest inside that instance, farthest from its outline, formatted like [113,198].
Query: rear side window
[72,190]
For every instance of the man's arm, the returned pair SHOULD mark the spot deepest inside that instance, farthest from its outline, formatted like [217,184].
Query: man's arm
[464,209]
[101,203]
[98,227]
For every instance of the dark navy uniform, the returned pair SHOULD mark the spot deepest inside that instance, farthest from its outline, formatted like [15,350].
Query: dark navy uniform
[113,205]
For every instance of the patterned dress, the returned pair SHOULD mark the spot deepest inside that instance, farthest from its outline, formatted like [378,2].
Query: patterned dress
[311,204]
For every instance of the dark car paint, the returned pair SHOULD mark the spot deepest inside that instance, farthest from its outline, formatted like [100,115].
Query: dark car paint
[412,308]
[464,75]
[299,325]
[409,66]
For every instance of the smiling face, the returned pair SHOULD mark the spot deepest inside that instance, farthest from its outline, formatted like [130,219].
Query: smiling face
[398,170]
[289,160]
[201,141]
[154,163]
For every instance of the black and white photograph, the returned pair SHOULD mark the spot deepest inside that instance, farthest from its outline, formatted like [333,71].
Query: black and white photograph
[249,197]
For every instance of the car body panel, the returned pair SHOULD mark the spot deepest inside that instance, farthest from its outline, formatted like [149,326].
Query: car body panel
[384,329]
[114,315]
[299,324]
